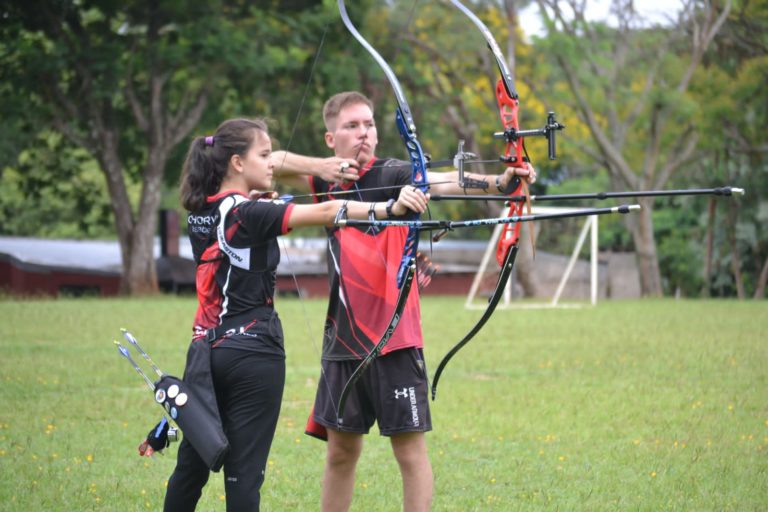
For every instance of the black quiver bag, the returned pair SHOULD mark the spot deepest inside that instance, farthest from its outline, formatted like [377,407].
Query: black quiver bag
[191,402]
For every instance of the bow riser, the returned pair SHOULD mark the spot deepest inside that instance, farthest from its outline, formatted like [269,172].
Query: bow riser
[418,179]
[513,156]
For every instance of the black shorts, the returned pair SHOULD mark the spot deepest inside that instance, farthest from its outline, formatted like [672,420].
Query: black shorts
[392,391]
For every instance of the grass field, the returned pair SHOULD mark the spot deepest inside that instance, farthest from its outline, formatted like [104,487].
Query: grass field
[641,405]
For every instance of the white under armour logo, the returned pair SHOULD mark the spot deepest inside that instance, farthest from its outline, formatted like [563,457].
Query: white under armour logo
[403,393]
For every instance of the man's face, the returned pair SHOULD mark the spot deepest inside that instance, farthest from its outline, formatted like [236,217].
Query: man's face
[354,134]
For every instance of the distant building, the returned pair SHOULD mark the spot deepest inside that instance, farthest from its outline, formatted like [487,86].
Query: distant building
[33,266]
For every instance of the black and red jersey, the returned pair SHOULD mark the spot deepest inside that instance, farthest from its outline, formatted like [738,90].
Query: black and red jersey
[236,259]
[362,270]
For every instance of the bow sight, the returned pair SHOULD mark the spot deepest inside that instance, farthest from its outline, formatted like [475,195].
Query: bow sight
[549,130]
[510,135]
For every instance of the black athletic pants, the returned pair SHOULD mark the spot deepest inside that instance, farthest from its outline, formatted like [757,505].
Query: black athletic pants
[249,390]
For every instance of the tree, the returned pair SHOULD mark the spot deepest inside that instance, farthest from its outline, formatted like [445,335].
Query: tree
[129,81]
[733,86]
[630,86]
[64,185]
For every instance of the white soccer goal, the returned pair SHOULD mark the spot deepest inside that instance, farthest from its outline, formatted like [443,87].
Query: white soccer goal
[590,226]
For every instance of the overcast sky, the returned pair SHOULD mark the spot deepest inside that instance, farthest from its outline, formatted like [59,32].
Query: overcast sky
[655,11]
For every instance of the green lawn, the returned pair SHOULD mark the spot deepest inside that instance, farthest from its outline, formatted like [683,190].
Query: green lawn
[638,405]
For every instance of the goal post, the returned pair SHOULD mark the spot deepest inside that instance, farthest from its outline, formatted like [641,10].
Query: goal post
[590,227]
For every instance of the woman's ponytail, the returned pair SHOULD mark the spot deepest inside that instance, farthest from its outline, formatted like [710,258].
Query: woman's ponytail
[207,161]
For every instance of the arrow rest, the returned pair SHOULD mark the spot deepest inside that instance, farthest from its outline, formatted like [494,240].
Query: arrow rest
[458,162]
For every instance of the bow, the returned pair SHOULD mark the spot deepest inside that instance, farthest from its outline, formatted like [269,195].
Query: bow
[407,268]
[514,155]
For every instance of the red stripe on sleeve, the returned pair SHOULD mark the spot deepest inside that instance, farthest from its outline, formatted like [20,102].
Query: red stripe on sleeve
[286,217]
[313,189]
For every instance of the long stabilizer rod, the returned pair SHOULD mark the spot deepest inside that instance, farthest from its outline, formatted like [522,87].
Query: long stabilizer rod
[719,191]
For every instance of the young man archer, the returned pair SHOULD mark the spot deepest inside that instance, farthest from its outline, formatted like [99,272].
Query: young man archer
[363,263]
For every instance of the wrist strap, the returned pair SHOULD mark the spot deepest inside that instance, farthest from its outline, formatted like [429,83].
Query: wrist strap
[372,212]
[388,209]
[473,183]
[342,213]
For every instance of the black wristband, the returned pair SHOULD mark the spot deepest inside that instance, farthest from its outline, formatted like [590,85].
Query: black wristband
[388,209]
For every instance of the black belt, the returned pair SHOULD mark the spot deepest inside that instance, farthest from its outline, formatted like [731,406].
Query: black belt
[235,322]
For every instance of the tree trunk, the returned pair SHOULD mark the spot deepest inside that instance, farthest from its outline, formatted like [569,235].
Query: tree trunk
[139,275]
[761,282]
[733,213]
[135,234]
[645,245]
[112,169]
[736,269]
[131,245]
[524,261]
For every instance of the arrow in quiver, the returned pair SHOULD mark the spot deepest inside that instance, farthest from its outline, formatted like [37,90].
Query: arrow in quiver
[190,402]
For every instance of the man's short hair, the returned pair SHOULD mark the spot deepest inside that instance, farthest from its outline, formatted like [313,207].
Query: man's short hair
[338,101]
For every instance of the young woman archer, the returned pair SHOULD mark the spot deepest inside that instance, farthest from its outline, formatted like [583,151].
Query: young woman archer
[234,242]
